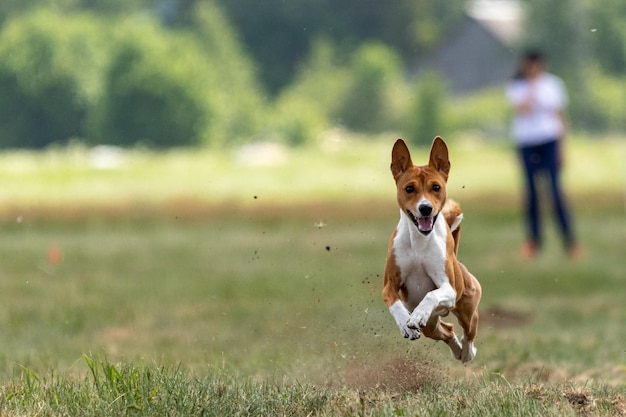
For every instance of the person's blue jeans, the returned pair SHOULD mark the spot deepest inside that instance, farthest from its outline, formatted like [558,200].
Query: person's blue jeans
[543,161]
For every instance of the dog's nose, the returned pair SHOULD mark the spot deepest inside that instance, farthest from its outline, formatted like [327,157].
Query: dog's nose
[425,209]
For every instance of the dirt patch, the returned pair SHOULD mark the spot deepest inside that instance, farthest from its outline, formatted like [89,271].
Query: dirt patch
[581,401]
[397,375]
[587,405]
[619,405]
[498,316]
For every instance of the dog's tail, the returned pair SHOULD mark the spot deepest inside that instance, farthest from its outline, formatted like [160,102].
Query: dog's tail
[453,215]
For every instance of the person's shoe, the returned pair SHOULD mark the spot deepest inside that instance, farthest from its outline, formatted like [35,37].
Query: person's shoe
[576,253]
[529,250]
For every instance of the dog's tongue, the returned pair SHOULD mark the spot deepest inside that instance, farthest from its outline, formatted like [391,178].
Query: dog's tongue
[425,223]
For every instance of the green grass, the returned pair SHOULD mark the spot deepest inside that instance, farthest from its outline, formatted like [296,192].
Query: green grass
[138,389]
[342,168]
[171,302]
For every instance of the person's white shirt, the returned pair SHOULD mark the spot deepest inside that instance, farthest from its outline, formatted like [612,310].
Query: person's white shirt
[542,122]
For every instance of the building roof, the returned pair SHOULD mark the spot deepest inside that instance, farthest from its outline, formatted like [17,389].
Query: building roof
[502,18]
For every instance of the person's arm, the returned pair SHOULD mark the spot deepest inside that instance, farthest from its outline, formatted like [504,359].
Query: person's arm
[560,158]
[521,96]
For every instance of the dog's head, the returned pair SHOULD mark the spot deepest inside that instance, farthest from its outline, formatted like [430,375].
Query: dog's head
[421,189]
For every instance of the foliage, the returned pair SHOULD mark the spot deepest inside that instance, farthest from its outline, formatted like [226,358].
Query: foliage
[374,71]
[332,89]
[235,92]
[14,8]
[308,105]
[482,112]
[181,87]
[196,72]
[554,26]
[154,89]
[11,8]
[608,35]
[580,37]
[49,74]
[606,96]
[425,118]
[409,27]
[78,76]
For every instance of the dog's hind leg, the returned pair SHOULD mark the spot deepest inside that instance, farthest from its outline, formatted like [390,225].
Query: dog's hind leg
[437,329]
[466,312]
[468,349]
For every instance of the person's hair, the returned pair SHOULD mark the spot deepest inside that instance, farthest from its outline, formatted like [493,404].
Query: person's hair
[529,56]
[533,55]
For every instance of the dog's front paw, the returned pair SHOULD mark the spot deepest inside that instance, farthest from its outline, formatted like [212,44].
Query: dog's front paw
[418,319]
[401,316]
[408,333]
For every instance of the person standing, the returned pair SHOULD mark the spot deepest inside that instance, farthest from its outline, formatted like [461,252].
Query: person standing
[539,100]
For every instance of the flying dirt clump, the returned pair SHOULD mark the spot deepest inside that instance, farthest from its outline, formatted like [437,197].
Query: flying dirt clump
[397,375]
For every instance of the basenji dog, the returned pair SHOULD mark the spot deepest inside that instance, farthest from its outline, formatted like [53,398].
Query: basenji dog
[423,280]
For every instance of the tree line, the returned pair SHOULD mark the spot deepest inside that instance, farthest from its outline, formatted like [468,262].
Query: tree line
[216,72]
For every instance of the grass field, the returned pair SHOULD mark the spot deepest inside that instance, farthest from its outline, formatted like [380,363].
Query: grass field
[193,284]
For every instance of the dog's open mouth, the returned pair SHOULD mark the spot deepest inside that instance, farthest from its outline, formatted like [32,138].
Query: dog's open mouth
[424,224]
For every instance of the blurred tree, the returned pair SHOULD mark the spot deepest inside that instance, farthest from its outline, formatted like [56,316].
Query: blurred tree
[49,77]
[13,8]
[176,12]
[237,95]
[555,27]
[9,8]
[425,120]
[607,24]
[276,33]
[561,28]
[185,86]
[584,41]
[374,69]
[311,102]
[155,90]
[71,74]
[279,34]
[109,7]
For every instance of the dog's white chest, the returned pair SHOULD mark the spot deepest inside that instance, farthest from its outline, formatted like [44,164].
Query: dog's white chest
[421,259]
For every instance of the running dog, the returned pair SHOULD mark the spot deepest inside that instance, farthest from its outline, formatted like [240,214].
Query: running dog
[423,279]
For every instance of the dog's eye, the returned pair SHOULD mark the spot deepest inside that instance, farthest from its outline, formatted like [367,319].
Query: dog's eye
[409,189]
[436,187]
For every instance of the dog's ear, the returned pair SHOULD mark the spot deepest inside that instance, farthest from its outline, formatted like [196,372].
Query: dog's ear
[400,158]
[439,157]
